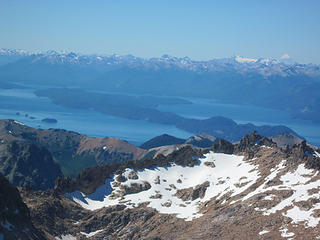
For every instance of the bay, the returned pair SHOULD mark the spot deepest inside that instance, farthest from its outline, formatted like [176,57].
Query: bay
[95,124]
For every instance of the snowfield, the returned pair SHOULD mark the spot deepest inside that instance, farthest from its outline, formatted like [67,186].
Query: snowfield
[224,175]
[231,175]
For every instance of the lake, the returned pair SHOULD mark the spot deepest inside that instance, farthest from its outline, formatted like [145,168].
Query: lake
[136,132]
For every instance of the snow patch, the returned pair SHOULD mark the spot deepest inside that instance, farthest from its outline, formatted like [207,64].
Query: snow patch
[262,188]
[297,215]
[19,123]
[245,60]
[263,232]
[285,233]
[66,237]
[285,56]
[299,182]
[91,233]
[1,236]
[269,197]
[231,175]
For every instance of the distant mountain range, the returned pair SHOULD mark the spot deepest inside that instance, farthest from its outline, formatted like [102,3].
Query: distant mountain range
[265,67]
[260,82]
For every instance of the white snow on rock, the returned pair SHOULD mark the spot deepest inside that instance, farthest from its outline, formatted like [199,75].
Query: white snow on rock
[263,232]
[66,237]
[299,181]
[285,233]
[263,188]
[91,233]
[298,215]
[269,197]
[231,175]
[19,123]
[1,236]
[245,60]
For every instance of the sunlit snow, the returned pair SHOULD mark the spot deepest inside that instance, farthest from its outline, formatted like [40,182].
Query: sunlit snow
[245,60]
[230,175]
[263,232]
[66,237]
[91,233]
[299,181]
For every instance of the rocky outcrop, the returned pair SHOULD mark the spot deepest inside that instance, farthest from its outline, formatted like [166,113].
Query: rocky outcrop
[303,153]
[87,180]
[286,139]
[223,146]
[51,213]
[251,142]
[134,187]
[201,140]
[193,193]
[133,175]
[26,164]
[57,217]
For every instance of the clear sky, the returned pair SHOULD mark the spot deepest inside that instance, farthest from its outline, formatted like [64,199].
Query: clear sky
[198,29]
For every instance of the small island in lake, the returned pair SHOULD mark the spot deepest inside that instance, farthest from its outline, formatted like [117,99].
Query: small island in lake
[49,120]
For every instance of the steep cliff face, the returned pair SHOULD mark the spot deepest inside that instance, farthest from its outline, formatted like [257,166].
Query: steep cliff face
[15,220]
[26,164]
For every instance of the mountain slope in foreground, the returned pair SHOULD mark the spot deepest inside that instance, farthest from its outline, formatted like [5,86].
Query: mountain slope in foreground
[15,220]
[257,191]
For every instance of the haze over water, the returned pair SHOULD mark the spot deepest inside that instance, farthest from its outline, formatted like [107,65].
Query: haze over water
[95,124]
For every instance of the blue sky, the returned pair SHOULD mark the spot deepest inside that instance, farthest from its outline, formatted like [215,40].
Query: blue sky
[198,29]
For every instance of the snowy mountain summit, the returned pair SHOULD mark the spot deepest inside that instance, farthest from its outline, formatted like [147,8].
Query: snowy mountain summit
[267,67]
[278,189]
[247,190]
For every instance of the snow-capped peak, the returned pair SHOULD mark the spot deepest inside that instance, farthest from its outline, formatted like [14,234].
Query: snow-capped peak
[245,60]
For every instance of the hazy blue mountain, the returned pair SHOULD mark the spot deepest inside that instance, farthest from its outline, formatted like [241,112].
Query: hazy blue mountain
[260,82]
[162,140]
[133,108]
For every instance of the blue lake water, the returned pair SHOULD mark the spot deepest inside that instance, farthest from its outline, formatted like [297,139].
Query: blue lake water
[96,124]
[205,108]
[86,122]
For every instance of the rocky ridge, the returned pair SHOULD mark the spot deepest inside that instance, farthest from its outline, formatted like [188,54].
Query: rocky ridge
[248,190]
[71,150]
